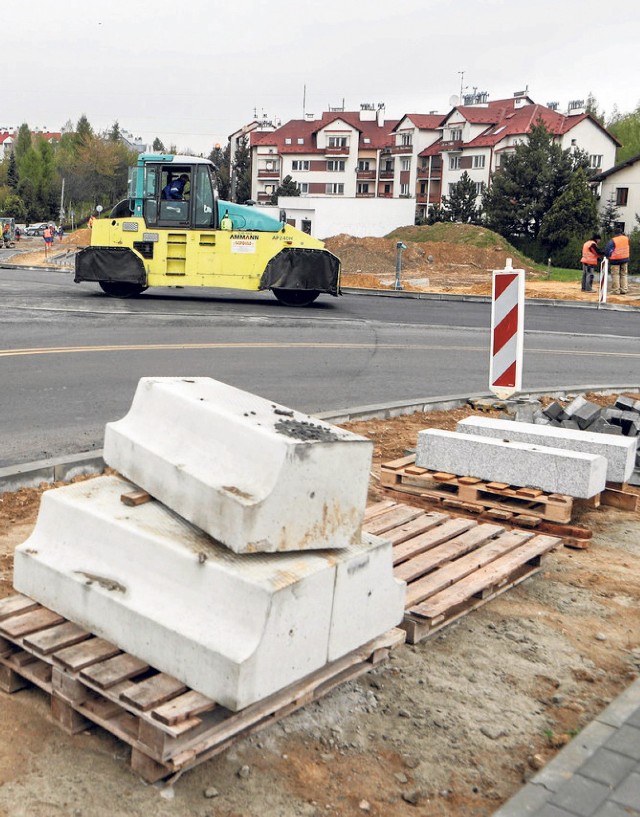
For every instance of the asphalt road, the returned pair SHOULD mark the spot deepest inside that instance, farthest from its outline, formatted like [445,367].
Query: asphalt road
[70,357]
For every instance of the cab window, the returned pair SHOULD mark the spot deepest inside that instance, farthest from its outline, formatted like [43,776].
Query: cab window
[175,195]
[204,204]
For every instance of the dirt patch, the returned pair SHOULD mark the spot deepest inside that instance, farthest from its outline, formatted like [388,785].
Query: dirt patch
[32,252]
[450,727]
[446,267]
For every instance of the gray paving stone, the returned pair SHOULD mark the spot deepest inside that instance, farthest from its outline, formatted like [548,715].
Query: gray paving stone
[581,796]
[623,707]
[525,803]
[628,792]
[560,769]
[634,719]
[608,767]
[626,741]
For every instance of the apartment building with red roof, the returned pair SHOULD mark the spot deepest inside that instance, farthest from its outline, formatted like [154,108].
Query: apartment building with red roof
[361,154]
[475,138]
[8,138]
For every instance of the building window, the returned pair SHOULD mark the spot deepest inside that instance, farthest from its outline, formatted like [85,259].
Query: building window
[478,161]
[287,140]
[300,140]
[455,134]
[366,140]
[451,186]
[405,164]
[337,141]
[334,189]
[388,165]
[622,196]
[363,164]
[335,165]
[303,187]
[387,189]
[595,160]
[423,188]
[454,163]
[479,188]
[363,187]
[404,189]
[405,139]
[300,164]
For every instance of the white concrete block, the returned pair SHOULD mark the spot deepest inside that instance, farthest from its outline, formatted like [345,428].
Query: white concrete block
[256,476]
[618,451]
[550,469]
[234,627]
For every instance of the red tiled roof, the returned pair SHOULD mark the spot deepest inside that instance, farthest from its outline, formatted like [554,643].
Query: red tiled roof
[433,149]
[379,136]
[423,121]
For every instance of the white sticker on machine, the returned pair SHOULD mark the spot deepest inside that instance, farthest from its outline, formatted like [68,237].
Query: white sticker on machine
[243,245]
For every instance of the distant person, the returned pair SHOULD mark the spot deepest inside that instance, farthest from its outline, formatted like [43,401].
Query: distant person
[60,233]
[617,251]
[6,233]
[91,220]
[174,191]
[18,233]
[226,223]
[591,255]
[47,234]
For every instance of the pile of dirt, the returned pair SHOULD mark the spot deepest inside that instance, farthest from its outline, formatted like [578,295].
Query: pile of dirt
[450,727]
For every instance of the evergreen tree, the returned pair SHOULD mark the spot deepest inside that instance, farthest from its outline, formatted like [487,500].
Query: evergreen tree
[572,215]
[529,181]
[460,205]
[158,146]
[220,158]
[436,213]
[115,133]
[608,217]
[592,108]
[12,173]
[288,187]
[242,171]
[84,131]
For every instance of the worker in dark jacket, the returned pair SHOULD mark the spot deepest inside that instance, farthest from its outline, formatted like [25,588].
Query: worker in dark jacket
[174,191]
[591,255]
[617,251]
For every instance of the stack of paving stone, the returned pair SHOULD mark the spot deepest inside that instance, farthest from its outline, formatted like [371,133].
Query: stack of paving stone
[622,419]
[247,571]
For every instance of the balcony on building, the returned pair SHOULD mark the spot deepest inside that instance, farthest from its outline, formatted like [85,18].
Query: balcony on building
[365,174]
[269,173]
[451,146]
[336,151]
[396,150]
[386,174]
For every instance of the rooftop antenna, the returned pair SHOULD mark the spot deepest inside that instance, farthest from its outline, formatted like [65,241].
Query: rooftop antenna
[462,86]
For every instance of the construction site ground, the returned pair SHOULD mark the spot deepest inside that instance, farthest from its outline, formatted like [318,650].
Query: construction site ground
[450,727]
[454,266]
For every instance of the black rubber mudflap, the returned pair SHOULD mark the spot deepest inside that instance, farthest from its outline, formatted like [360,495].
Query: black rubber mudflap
[109,264]
[299,268]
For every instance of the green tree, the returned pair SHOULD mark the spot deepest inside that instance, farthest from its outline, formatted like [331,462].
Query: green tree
[436,213]
[158,145]
[12,173]
[572,215]
[220,158]
[529,181]
[287,187]
[84,131]
[12,206]
[23,141]
[461,205]
[115,133]
[609,215]
[626,129]
[241,171]
[592,108]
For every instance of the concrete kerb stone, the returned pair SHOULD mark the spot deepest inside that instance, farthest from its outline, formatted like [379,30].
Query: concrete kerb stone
[31,474]
[570,473]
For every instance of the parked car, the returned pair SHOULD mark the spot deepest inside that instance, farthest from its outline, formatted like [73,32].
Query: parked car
[35,229]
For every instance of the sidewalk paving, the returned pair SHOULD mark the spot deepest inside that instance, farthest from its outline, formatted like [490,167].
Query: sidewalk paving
[596,775]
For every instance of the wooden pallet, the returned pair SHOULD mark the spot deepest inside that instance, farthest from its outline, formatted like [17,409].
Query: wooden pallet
[169,727]
[452,564]
[472,493]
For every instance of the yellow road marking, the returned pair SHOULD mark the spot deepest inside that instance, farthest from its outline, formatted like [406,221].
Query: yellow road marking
[143,347]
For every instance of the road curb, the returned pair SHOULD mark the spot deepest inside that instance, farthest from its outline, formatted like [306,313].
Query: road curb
[64,468]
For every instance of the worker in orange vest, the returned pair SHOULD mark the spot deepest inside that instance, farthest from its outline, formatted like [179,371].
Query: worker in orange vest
[617,251]
[591,255]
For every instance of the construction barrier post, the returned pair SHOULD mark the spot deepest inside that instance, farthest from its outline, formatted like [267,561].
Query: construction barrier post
[507,331]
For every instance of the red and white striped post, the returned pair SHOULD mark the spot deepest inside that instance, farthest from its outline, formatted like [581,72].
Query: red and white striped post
[507,331]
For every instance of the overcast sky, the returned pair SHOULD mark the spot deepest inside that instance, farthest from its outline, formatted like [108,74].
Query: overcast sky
[193,71]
